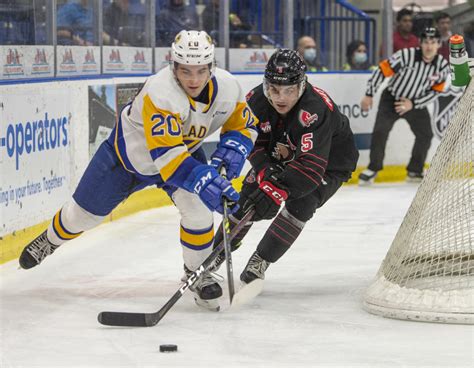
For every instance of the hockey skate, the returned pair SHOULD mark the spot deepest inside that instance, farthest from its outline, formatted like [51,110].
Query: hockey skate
[251,280]
[207,290]
[367,177]
[35,252]
[414,177]
[255,269]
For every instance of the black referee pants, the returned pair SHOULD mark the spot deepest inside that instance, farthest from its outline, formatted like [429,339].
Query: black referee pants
[420,124]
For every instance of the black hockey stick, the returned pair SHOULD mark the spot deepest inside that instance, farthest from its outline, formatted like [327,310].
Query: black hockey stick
[226,242]
[228,251]
[151,319]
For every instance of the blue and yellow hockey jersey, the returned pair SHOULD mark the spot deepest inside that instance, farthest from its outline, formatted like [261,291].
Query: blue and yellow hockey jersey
[159,130]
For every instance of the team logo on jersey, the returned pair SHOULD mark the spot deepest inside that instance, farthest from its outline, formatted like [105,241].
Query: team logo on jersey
[306,119]
[249,95]
[283,153]
[265,127]
[250,177]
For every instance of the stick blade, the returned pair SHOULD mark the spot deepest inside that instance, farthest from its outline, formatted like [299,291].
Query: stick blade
[125,319]
[247,292]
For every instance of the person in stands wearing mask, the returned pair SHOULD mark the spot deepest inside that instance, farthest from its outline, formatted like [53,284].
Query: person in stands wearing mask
[357,58]
[306,47]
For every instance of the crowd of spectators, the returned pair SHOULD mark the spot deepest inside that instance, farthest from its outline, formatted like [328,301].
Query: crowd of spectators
[124,25]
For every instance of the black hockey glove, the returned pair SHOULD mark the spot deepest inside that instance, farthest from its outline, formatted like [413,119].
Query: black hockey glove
[273,169]
[267,199]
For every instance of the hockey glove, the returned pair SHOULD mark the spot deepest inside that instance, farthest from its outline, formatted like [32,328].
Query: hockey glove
[267,199]
[271,170]
[211,188]
[231,153]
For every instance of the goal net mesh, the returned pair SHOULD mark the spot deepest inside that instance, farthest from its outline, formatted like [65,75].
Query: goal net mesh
[428,272]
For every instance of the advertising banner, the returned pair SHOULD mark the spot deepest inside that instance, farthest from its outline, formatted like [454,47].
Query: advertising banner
[36,155]
[127,60]
[249,60]
[26,61]
[77,60]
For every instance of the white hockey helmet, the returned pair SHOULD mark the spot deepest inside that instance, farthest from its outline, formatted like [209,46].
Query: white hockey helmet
[193,48]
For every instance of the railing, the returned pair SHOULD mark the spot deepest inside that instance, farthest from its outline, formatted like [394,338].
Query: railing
[339,24]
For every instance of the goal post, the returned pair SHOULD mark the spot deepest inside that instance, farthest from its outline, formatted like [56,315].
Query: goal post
[428,272]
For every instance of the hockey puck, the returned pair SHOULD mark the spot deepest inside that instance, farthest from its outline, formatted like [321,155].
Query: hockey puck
[168,348]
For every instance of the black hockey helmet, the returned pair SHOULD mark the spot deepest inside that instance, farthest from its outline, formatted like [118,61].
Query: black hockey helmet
[285,67]
[430,32]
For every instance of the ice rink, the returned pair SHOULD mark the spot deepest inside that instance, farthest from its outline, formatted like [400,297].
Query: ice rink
[309,313]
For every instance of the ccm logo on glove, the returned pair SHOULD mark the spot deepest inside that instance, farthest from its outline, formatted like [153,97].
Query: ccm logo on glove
[276,194]
[237,145]
[202,181]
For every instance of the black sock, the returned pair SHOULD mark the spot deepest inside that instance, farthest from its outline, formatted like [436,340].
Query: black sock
[279,237]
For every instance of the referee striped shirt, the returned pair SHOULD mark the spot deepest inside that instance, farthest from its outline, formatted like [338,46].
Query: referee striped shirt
[412,77]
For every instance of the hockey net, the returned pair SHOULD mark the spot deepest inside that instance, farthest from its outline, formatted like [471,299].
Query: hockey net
[428,272]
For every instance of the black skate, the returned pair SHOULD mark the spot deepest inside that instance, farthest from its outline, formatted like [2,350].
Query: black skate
[255,269]
[35,252]
[367,177]
[206,290]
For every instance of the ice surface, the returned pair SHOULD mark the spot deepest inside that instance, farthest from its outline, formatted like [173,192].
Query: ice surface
[309,313]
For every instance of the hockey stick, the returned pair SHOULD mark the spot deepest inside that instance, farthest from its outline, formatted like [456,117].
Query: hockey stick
[228,252]
[226,242]
[151,319]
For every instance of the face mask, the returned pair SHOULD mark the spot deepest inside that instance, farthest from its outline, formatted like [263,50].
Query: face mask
[360,57]
[310,54]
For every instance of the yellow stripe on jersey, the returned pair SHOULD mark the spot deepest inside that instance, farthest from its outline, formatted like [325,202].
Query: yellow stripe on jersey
[211,96]
[241,119]
[190,143]
[169,169]
[197,239]
[162,128]
[192,103]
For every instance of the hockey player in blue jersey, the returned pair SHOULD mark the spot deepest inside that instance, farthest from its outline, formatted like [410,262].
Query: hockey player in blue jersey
[157,141]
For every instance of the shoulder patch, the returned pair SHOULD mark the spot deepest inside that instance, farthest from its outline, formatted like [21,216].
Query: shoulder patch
[325,97]
[306,119]
[265,126]
[249,95]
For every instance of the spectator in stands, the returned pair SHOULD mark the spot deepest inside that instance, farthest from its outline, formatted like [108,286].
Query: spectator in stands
[75,23]
[357,58]
[443,23]
[174,18]
[306,47]
[210,22]
[403,36]
[115,19]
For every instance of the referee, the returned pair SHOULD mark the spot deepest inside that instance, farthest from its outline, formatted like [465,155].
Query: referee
[418,75]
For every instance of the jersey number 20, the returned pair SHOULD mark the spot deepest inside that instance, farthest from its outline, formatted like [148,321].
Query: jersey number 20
[159,128]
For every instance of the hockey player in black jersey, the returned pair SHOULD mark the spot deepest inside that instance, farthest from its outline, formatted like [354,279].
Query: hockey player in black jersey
[304,152]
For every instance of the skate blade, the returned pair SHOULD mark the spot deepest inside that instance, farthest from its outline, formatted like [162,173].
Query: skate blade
[247,292]
[366,183]
[413,180]
[211,304]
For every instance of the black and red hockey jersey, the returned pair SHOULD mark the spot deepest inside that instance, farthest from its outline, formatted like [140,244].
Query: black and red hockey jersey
[314,137]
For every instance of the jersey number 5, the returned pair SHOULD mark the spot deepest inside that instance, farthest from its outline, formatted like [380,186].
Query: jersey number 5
[159,128]
[306,142]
